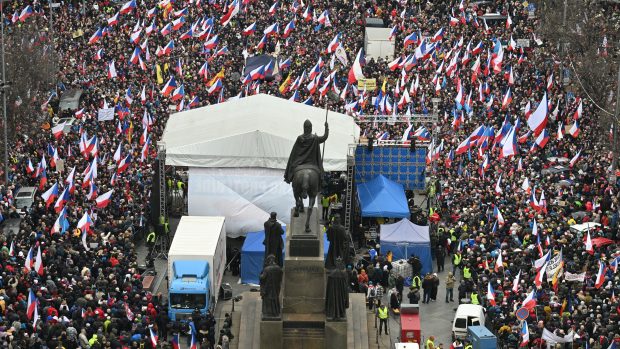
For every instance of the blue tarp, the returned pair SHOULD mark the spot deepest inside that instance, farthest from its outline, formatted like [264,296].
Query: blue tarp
[253,255]
[382,197]
[404,238]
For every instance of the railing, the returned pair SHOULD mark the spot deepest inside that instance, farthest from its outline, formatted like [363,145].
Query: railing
[394,119]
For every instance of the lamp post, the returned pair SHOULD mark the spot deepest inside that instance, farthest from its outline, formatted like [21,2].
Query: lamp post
[6,123]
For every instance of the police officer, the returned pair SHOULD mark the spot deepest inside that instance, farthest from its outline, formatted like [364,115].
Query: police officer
[382,314]
[150,240]
[416,281]
[467,273]
[474,298]
[456,261]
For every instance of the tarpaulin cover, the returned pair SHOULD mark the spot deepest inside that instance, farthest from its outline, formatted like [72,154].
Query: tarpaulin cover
[404,238]
[253,255]
[382,197]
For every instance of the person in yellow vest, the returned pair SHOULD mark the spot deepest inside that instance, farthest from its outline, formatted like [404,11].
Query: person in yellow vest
[430,342]
[150,240]
[325,205]
[474,298]
[456,261]
[416,282]
[382,314]
[469,346]
[466,273]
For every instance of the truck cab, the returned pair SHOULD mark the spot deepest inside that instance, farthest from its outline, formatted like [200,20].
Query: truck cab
[189,289]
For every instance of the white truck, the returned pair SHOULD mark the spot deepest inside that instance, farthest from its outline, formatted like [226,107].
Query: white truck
[196,263]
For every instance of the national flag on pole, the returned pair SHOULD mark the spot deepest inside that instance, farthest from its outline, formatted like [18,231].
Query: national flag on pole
[600,276]
[50,195]
[128,7]
[26,12]
[85,223]
[575,158]
[499,263]
[153,337]
[103,200]
[491,294]
[538,280]
[538,119]
[32,303]
[58,130]
[38,262]
[29,260]
[515,283]
[233,10]
[525,335]
[175,341]
[613,264]
[356,73]
[530,301]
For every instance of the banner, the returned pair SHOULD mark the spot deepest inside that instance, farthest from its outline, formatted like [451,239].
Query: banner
[552,338]
[342,55]
[554,264]
[105,114]
[368,84]
[575,277]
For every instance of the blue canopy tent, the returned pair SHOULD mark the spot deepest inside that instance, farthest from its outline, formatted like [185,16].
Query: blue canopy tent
[404,238]
[382,197]
[253,255]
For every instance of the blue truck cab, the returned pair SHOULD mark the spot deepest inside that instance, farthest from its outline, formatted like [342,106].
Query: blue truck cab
[189,289]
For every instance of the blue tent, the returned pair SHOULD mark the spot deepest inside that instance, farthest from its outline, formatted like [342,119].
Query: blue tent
[382,197]
[404,238]
[253,255]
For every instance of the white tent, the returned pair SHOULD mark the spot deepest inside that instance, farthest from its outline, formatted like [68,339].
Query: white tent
[404,238]
[255,131]
[237,152]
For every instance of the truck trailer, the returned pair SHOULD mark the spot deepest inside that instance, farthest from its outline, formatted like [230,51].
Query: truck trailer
[196,263]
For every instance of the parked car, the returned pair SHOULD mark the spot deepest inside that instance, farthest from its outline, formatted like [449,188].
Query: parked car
[24,199]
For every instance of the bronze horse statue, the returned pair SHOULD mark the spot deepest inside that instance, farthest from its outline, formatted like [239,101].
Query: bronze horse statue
[305,185]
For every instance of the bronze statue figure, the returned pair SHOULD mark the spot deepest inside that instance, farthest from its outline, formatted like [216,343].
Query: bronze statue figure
[305,169]
[273,238]
[337,293]
[270,282]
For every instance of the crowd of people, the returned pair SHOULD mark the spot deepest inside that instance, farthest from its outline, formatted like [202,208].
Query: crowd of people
[74,257]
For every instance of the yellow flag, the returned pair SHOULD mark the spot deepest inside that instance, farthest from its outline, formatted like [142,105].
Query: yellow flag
[165,67]
[384,85]
[285,83]
[160,80]
[219,75]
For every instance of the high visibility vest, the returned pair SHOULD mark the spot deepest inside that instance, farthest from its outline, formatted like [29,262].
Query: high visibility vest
[429,343]
[457,259]
[452,235]
[469,347]
[474,298]
[325,201]
[180,185]
[416,282]
[383,313]
[466,273]
[150,237]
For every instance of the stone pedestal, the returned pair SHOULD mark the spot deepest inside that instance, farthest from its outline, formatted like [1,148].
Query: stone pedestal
[302,243]
[336,334]
[304,276]
[271,334]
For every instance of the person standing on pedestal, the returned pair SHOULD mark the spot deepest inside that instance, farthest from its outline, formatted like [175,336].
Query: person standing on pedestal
[338,243]
[270,282]
[273,239]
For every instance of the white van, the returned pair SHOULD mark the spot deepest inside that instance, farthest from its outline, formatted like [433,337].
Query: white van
[466,315]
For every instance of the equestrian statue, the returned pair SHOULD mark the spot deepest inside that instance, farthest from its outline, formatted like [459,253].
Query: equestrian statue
[305,169]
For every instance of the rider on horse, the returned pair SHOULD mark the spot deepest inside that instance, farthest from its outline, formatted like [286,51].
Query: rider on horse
[306,153]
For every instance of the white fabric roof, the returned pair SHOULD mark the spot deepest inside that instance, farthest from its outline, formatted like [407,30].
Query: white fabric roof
[255,131]
[404,231]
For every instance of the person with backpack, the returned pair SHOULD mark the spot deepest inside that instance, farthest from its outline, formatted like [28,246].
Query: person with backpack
[371,294]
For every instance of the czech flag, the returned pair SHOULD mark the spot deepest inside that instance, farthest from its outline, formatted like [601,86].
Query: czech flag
[169,87]
[233,9]
[85,223]
[113,20]
[166,30]
[525,335]
[574,130]
[193,344]
[356,73]
[28,262]
[178,93]
[103,200]
[175,341]
[438,36]
[271,30]
[575,158]
[530,301]
[124,164]
[333,45]
[600,276]
[211,43]
[62,200]
[50,195]
[153,337]
[288,29]
[98,34]
[251,29]
[26,12]
[491,294]
[410,39]
[128,7]
[32,303]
